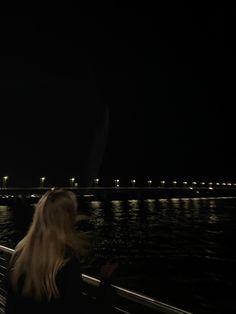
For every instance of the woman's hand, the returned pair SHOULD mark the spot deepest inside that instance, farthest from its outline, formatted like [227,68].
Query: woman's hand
[108,269]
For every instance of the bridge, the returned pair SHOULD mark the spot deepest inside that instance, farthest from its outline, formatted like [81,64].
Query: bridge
[105,193]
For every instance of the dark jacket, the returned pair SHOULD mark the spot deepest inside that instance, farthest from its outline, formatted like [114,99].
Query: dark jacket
[70,285]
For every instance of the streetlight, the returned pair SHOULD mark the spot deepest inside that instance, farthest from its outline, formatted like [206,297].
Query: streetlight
[42,180]
[133,183]
[163,183]
[96,181]
[117,183]
[185,183]
[174,182]
[4,182]
[72,180]
[149,182]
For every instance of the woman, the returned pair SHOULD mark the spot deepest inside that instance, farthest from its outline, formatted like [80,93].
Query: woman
[44,274]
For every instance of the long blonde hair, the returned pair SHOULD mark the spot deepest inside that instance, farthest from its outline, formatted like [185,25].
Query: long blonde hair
[42,252]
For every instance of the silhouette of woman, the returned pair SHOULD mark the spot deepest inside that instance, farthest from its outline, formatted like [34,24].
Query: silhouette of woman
[44,274]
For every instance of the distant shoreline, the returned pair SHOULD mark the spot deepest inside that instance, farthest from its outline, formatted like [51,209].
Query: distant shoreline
[113,193]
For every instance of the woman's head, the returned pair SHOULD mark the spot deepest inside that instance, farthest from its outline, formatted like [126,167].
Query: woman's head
[44,249]
[56,211]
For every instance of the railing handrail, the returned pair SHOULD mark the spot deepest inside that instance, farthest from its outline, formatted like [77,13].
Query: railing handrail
[127,294]
[6,249]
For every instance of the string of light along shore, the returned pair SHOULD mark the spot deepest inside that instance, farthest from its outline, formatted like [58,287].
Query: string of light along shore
[72,182]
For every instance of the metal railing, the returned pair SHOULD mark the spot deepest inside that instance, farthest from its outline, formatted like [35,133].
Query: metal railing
[151,304]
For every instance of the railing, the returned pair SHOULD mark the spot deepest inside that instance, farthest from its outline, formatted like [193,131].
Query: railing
[128,301]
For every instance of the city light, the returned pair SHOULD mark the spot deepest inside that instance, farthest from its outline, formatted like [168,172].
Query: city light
[4,181]
[42,180]
[72,180]
[96,181]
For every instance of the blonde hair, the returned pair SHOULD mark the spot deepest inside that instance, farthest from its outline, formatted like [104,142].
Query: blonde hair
[42,252]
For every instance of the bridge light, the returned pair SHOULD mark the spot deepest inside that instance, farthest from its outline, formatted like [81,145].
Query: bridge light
[42,180]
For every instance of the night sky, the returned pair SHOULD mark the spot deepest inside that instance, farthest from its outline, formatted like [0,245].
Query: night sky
[118,93]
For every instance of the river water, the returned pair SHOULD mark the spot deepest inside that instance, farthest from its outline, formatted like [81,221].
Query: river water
[180,251]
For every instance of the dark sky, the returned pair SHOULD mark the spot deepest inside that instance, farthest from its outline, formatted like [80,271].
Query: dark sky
[118,93]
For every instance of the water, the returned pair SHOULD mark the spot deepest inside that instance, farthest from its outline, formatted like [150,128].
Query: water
[180,251]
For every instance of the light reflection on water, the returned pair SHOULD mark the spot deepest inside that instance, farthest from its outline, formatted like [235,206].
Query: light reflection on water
[178,250]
